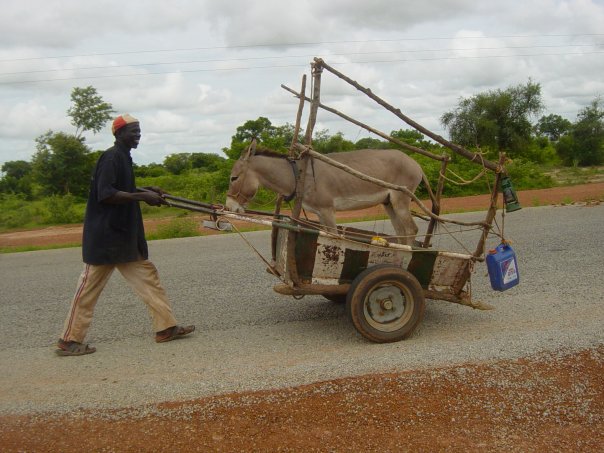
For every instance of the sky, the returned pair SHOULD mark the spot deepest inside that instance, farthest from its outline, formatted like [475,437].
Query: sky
[192,71]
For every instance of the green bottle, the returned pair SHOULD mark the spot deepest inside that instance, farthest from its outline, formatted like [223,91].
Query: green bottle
[509,195]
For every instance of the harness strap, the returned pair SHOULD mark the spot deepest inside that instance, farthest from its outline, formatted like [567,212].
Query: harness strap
[296,172]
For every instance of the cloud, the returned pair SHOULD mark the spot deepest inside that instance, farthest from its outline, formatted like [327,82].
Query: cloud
[388,15]
[193,71]
[28,119]
[65,23]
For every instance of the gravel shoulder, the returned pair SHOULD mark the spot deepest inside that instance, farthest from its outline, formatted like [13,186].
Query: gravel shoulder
[550,402]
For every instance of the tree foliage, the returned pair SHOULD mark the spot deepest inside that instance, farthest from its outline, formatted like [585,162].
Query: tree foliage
[61,164]
[277,138]
[553,127]
[498,120]
[17,178]
[584,145]
[179,163]
[325,143]
[88,111]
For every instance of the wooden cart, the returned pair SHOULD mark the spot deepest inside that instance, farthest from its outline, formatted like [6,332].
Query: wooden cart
[383,282]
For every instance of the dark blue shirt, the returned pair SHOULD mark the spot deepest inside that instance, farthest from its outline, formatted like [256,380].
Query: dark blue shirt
[113,233]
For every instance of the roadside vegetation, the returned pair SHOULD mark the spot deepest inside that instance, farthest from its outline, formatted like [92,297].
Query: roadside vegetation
[544,150]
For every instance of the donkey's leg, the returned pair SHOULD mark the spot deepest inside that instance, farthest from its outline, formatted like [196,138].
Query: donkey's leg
[401,218]
[327,217]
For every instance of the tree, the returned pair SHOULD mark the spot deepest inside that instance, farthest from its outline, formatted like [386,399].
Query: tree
[207,162]
[588,132]
[411,137]
[16,168]
[553,126]
[151,170]
[261,129]
[497,119]
[324,143]
[89,112]
[16,177]
[254,128]
[585,143]
[371,143]
[177,163]
[61,164]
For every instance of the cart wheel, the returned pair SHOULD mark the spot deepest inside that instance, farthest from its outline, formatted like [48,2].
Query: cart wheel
[386,303]
[336,298]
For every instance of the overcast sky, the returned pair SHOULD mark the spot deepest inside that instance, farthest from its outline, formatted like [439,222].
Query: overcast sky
[193,71]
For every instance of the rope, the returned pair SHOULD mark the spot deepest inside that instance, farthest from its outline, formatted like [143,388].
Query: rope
[456,240]
[463,181]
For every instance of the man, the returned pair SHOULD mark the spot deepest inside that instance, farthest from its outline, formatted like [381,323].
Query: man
[113,238]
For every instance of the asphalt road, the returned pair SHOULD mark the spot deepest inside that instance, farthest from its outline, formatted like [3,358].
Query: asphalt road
[250,337]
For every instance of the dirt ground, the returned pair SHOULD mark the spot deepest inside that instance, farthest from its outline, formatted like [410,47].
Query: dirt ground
[72,234]
[549,403]
[552,402]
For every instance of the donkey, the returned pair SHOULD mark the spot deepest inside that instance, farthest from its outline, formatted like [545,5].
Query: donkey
[328,189]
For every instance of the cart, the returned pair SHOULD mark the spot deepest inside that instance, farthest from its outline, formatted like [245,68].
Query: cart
[383,283]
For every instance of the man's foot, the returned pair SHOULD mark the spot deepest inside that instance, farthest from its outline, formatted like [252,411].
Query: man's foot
[73,348]
[172,333]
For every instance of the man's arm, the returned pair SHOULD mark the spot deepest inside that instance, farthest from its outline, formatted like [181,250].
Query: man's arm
[150,197]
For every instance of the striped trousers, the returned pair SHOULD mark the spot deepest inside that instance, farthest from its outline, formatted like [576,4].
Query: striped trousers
[143,278]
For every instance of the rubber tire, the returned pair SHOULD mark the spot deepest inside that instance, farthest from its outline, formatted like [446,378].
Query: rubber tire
[395,280]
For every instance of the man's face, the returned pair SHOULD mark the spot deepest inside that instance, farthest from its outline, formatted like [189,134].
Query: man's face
[130,135]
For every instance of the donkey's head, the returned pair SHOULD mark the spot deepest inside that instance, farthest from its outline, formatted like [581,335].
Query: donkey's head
[243,183]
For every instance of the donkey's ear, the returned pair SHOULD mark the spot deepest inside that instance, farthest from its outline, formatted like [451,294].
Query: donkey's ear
[251,150]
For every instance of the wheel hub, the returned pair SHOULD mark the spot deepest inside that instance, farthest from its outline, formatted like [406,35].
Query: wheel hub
[385,308]
[386,304]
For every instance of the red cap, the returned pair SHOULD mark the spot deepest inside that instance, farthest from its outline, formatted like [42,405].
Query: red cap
[121,121]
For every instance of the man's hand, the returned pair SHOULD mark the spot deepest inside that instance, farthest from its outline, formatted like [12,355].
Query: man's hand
[152,198]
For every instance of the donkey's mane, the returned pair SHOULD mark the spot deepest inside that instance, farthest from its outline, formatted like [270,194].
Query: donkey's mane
[269,153]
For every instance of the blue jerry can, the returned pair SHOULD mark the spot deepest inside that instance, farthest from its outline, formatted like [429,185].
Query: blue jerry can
[502,267]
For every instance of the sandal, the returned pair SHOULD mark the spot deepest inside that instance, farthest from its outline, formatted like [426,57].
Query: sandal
[172,333]
[67,348]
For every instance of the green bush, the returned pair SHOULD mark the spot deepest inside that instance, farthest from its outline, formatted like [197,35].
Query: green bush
[17,212]
[527,175]
[61,210]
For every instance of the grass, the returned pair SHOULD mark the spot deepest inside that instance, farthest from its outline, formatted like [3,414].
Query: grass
[36,248]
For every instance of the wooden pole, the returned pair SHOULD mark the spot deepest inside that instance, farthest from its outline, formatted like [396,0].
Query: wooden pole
[317,70]
[370,129]
[439,191]
[298,117]
[474,157]
[312,119]
[491,212]
[279,202]
[292,237]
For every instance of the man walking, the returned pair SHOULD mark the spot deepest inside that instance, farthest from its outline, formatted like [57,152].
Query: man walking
[114,238]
